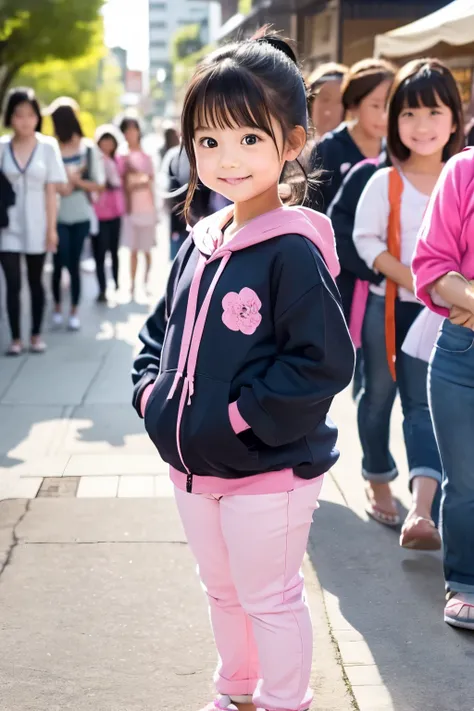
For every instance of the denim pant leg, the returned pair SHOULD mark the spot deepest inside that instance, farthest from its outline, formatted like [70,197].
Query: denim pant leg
[376,402]
[451,389]
[421,447]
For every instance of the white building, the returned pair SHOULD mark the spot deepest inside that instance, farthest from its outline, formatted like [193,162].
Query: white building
[167,16]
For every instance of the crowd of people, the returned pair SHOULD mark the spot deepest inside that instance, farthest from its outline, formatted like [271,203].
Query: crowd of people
[56,192]
[273,308]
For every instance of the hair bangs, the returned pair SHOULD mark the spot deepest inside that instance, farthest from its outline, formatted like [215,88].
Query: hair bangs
[425,89]
[231,99]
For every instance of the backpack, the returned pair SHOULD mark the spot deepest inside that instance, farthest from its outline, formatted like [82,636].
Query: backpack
[7,193]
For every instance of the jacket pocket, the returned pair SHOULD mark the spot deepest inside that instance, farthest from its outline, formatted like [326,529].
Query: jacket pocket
[208,442]
[160,419]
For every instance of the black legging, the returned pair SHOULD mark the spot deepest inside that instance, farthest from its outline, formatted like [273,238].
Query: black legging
[106,241]
[11,265]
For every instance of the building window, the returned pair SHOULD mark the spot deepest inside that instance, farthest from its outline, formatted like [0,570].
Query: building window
[158,44]
[157,25]
[157,6]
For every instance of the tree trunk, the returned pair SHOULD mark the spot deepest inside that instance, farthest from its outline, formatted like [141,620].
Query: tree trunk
[6,76]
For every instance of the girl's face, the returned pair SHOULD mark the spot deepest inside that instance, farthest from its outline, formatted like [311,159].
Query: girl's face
[132,136]
[242,163]
[107,145]
[424,130]
[327,109]
[371,113]
[24,120]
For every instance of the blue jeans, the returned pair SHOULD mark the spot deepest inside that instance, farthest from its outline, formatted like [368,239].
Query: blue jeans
[71,241]
[376,402]
[451,389]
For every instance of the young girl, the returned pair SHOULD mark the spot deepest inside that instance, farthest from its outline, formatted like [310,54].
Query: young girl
[364,92]
[109,209]
[140,219]
[33,166]
[425,128]
[444,271]
[85,171]
[241,361]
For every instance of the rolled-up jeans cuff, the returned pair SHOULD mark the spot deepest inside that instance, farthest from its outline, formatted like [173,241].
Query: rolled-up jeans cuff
[383,478]
[455,587]
[426,472]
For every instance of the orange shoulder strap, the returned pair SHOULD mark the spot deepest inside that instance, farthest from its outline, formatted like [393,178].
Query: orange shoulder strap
[395,190]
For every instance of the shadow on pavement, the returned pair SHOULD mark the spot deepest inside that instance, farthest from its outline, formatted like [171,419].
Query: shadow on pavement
[394,598]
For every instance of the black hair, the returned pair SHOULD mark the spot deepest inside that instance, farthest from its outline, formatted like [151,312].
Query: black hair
[21,95]
[245,84]
[128,122]
[171,140]
[110,136]
[424,82]
[363,78]
[65,121]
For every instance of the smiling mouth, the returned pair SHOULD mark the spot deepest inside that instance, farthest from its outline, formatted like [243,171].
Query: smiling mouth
[234,181]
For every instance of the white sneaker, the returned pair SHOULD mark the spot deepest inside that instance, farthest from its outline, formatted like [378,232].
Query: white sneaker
[74,323]
[459,611]
[57,320]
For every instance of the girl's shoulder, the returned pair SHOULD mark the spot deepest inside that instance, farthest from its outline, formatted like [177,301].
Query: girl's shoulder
[378,182]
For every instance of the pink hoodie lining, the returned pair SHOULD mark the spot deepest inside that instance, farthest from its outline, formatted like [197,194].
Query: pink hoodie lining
[266,483]
[236,420]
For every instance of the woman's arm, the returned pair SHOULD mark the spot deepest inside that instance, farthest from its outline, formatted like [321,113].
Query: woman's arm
[438,255]
[393,269]
[51,217]
[370,231]
[455,290]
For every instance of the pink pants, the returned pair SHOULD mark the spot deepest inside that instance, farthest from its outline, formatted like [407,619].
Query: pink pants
[249,550]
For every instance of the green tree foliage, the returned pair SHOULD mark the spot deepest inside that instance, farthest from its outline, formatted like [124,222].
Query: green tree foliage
[93,80]
[39,30]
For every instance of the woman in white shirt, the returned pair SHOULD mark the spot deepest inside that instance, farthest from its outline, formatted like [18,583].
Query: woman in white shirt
[425,128]
[32,164]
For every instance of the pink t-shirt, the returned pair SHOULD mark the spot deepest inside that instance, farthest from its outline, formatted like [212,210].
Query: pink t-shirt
[111,202]
[132,166]
[446,237]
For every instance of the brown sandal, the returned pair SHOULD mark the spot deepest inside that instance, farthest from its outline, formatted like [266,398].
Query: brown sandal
[420,534]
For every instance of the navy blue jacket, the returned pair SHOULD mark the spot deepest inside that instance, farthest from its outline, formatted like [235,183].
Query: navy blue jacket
[335,154]
[342,215]
[257,321]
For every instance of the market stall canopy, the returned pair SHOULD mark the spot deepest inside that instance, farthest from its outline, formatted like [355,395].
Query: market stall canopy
[450,30]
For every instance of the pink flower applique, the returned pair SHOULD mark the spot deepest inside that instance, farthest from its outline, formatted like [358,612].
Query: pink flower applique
[242,311]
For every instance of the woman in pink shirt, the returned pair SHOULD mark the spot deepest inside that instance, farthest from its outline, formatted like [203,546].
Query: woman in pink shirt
[444,269]
[139,228]
[109,209]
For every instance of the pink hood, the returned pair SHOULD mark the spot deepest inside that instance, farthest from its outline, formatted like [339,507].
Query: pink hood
[207,233]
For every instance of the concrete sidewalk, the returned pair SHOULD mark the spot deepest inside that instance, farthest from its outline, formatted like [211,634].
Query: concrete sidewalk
[101,611]
[100,608]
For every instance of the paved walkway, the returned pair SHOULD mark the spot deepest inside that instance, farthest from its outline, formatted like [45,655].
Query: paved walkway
[100,606]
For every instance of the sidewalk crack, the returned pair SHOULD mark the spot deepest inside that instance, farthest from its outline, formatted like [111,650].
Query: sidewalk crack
[15,540]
